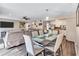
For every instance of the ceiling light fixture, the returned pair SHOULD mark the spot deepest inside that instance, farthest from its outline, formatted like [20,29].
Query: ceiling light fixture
[47,17]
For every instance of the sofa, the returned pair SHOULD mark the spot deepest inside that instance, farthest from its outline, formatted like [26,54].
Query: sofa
[13,38]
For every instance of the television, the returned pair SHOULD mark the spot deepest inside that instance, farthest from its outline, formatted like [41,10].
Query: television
[6,24]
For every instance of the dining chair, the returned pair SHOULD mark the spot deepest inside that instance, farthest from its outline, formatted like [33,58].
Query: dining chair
[45,31]
[34,33]
[41,32]
[32,49]
[13,38]
[57,44]
[55,32]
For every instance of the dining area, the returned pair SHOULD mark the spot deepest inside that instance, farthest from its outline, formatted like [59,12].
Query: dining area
[39,31]
[37,39]
[35,42]
[43,43]
[48,43]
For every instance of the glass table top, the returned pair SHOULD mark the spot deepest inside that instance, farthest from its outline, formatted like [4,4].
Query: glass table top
[43,37]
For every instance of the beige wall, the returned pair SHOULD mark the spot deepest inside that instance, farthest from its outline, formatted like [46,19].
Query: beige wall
[70,22]
[71,28]
[16,24]
[77,45]
[34,25]
[72,32]
[59,22]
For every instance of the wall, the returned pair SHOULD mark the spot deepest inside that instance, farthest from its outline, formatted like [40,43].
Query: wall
[59,22]
[70,22]
[71,28]
[16,26]
[34,24]
[77,30]
[72,32]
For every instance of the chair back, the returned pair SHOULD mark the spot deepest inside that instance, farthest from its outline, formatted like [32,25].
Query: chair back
[58,42]
[34,33]
[55,32]
[5,39]
[40,32]
[12,37]
[29,44]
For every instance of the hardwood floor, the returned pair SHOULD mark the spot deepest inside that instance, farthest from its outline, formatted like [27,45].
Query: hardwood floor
[67,49]
[15,51]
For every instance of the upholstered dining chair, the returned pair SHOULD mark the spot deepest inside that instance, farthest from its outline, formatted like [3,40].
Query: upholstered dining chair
[34,33]
[13,38]
[41,32]
[57,44]
[32,49]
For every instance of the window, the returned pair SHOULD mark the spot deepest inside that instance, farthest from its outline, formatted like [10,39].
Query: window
[6,24]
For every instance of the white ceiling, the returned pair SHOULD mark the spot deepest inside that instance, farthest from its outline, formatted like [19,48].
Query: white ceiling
[37,10]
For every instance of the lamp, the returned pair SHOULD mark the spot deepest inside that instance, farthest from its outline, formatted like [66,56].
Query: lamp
[47,17]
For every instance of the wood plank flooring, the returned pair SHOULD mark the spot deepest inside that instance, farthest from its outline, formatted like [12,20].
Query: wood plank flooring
[67,48]
[15,51]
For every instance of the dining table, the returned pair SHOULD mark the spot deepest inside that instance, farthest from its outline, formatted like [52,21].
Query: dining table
[44,39]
